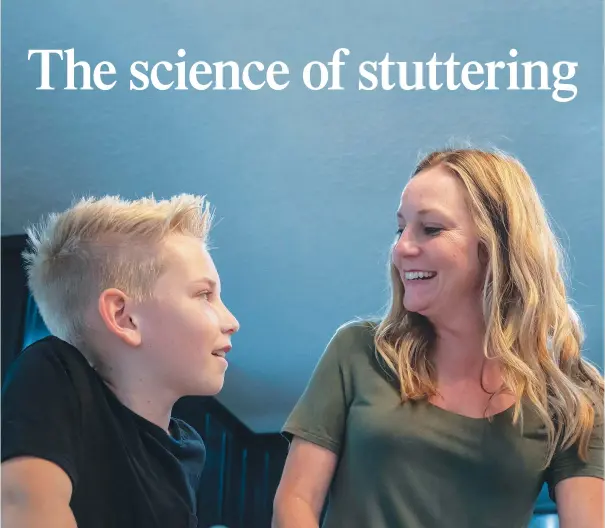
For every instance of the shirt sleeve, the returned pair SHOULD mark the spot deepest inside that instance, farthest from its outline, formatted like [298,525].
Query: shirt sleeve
[567,463]
[320,414]
[41,410]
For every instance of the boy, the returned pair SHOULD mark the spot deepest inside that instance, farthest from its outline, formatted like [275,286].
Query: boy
[131,297]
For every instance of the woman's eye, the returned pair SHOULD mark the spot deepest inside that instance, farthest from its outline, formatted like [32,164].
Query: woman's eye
[432,231]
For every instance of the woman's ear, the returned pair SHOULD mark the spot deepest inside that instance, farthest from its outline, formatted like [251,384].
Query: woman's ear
[483,255]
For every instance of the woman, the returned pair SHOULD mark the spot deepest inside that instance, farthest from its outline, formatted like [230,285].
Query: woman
[455,408]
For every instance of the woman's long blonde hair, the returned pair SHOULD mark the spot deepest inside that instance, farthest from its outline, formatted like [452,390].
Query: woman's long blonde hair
[531,329]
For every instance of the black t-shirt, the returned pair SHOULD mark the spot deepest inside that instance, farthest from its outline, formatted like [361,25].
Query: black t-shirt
[125,471]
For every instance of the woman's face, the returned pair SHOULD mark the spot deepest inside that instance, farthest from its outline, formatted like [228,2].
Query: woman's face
[437,253]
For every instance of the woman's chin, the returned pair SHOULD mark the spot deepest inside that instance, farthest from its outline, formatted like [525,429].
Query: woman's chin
[416,306]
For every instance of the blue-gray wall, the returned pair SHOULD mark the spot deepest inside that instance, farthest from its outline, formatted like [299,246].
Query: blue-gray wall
[305,183]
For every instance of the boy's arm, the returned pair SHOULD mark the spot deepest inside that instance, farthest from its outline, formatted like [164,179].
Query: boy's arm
[41,437]
[35,493]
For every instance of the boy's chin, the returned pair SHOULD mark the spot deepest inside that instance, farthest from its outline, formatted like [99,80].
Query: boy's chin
[207,387]
[213,391]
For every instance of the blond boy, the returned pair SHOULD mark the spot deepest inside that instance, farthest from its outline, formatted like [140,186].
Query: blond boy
[132,299]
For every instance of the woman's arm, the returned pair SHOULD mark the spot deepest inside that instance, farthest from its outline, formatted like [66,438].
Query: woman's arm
[304,485]
[580,502]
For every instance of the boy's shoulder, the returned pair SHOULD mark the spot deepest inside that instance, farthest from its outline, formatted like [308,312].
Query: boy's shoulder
[49,368]
[50,352]
[48,344]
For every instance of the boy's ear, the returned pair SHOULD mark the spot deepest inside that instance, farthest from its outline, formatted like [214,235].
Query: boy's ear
[115,308]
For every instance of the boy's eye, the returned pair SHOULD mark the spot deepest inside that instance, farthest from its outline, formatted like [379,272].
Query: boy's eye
[205,295]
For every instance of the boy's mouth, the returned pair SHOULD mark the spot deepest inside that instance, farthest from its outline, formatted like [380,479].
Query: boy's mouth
[222,352]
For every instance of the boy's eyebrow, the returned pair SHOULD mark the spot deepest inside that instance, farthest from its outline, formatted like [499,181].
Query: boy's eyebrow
[205,280]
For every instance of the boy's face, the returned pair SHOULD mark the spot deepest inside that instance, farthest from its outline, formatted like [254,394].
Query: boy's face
[186,329]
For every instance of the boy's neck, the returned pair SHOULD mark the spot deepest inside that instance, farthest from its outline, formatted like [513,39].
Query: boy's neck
[150,405]
[133,388]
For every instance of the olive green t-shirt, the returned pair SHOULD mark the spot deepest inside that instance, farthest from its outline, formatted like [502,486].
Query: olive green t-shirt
[416,465]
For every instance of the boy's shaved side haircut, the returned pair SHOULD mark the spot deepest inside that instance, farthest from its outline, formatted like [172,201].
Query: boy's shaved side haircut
[104,243]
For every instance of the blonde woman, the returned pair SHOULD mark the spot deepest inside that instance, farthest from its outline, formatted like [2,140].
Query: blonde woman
[133,300]
[456,407]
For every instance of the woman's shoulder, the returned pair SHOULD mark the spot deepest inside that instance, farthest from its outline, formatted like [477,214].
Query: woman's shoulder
[357,331]
[353,339]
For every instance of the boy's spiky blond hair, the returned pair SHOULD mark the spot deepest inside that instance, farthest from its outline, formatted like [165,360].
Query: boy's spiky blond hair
[101,243]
